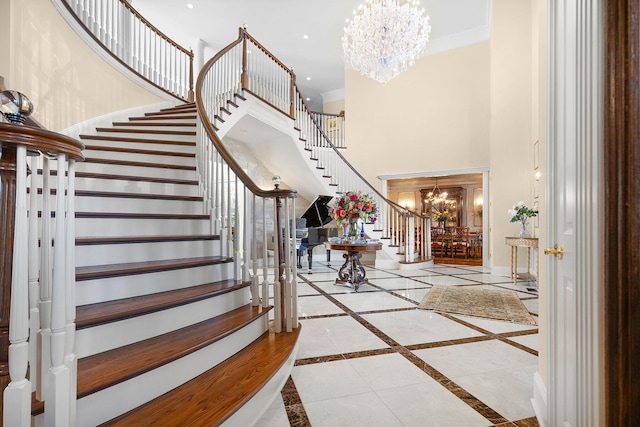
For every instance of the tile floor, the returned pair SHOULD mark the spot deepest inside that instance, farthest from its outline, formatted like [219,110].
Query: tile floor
[372,358]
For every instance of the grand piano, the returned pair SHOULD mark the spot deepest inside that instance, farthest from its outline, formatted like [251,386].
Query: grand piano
[311,230]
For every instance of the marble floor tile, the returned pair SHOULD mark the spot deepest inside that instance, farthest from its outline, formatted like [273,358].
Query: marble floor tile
[335,335]
[447,269]
[410,273]
[388,371]
[322,381]
[507,391]
[495,326]
[531,341]
[358,410]
[531,304]
[460,360]
[316,305]
[306,289]
[430,405]
[416,295]
[485,278]
[418,326]
[371,301]
[399,283]
[448,281]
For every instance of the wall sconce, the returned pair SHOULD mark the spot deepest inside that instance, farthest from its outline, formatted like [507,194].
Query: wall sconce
[15,106]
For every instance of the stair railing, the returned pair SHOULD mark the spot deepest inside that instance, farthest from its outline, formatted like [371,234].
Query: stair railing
[256,225]
[269,79]
[40,316]
[134,42]
[333,126]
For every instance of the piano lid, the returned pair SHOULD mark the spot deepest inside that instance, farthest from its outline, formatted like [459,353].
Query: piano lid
[318,213]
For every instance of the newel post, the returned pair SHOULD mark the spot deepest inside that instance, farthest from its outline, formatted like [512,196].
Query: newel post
[292,93]
[244,77]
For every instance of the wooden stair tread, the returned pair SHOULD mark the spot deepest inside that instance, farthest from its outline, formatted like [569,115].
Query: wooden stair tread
[146,123]
[122,269]
[142,239]
[160,117]
[112,311]
[151,196]
[212,397]
[123,215]
[139,164]
[153,132]
[111,367]
[141,140]
[138,151]
[82,174]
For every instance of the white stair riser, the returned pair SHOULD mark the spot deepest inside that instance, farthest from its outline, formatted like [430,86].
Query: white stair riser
[152,136]
[252,410]
[113,288]
[140,157]
[118,185]
[133,205]
[87,255]
[140,145]
[105,337]
[158,126]
[113,227]
[168,118]
[141,171]
[141,389]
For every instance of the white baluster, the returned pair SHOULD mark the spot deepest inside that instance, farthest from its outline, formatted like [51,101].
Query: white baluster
[17,395]
[34,279]
[70,360]
[44,336]
[58,381]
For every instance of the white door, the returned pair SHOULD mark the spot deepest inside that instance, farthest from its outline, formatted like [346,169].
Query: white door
[573,182]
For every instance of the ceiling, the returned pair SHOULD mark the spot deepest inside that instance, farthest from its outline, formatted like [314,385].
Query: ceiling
[280,26]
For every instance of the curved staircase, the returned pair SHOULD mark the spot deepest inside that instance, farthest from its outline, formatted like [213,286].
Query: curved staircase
[166,333]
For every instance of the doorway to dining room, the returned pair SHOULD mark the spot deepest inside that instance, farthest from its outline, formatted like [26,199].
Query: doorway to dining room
[455,202]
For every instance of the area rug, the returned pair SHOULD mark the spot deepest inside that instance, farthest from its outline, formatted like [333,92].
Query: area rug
[484,303]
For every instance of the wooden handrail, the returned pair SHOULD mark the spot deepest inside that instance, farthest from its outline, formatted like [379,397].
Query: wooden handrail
[211,133]
[36,139]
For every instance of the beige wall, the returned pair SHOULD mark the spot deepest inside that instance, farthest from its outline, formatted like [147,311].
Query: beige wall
[5,29]
[333,107]
[433,117]
[66,81]
[512,134]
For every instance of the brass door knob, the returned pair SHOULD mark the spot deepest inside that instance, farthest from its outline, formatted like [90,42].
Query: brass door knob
[556,251]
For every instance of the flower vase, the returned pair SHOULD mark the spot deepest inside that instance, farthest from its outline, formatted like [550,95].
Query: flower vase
[353,228]
[345,231]
[523,230]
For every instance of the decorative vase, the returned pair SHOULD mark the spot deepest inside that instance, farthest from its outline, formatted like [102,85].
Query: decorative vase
[523,230]
[353,228]
[345,231]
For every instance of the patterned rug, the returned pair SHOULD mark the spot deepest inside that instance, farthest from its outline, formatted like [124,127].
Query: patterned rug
[475,302]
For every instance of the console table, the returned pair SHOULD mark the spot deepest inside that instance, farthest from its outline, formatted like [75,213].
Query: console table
[352,272]
[522,242]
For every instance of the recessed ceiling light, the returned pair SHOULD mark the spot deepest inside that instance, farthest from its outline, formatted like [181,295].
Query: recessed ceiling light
[308,99]
[308,78]
[306,36]
[190,5]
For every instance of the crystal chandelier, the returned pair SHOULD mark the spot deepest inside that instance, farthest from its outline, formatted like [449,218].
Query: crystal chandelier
[385,37]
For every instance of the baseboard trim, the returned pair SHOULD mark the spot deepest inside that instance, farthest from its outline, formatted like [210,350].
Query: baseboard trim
[539,400]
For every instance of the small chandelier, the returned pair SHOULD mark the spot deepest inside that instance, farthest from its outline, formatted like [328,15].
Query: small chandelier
[436,197]
[385,37]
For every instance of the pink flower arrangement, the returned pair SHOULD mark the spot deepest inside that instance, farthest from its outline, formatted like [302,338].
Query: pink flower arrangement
[351,206]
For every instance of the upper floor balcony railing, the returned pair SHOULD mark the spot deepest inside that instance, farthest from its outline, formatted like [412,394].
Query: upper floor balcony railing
[133,41]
